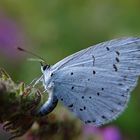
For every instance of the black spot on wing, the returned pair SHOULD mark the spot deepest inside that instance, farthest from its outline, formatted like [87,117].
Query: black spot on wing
[119,103]
[93,121]
[125,78]
[71,73]
[84,108]
[112,110]
[82,97]
[118,53]
[117,59]
[102,88]
[72,87]
[103,117]
[94,72]
[127,89]
[88,121]
[90,97]
[93,59]
[71,105]
[107,48]
[115,67]
[120,84]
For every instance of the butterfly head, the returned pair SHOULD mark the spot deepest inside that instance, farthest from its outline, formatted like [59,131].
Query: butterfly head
[44,67]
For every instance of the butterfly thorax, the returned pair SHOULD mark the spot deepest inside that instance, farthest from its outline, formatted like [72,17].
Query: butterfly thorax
[47,79]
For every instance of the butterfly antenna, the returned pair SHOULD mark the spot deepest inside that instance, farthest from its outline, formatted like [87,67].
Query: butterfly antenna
[29,52]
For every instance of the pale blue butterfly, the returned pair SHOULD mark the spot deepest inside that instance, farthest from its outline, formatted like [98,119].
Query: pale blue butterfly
[94,83]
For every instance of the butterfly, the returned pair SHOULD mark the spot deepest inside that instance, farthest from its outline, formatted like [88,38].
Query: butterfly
[94,83]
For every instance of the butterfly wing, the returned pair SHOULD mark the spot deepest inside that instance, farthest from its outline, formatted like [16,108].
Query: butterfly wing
[95,83]
[100,52]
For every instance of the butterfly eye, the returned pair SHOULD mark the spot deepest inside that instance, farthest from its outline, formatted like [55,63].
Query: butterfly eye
[45,67]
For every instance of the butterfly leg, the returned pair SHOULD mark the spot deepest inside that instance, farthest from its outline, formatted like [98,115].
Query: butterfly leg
[36,81]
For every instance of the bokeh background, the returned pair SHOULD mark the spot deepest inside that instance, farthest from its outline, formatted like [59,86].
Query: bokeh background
[56,28]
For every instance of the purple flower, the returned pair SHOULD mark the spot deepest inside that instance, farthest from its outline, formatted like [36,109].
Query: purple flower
[106,133]
[111,133]
[10,36]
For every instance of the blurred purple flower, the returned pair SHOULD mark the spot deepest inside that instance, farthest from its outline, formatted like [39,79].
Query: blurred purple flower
[106,133]
[111,133]
[10,36]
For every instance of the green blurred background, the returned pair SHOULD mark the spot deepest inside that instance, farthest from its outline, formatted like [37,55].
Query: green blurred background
[57,28]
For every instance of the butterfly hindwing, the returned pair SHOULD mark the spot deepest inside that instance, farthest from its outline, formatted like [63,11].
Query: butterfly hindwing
[92,100]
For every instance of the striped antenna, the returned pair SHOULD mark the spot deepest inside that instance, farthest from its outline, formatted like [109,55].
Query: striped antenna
[29,52]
